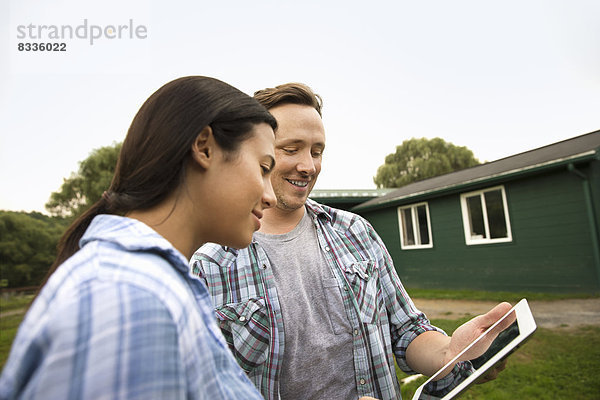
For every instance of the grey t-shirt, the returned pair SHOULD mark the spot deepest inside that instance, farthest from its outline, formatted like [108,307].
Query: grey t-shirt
[318,356]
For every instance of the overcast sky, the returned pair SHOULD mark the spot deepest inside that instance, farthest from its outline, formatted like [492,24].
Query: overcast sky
[500,77]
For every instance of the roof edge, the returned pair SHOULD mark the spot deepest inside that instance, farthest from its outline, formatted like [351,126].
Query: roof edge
[588,155]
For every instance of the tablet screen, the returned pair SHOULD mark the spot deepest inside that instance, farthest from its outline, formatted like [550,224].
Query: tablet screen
[505,343]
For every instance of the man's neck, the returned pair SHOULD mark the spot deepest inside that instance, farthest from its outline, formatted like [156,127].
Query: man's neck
[276,221]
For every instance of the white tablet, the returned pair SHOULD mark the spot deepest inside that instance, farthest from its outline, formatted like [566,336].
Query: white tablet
[507,341]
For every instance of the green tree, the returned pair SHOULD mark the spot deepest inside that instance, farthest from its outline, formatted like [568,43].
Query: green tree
[418,159]
[85,187]
[27,246]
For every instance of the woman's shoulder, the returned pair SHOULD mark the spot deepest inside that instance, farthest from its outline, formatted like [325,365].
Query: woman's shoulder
[98,270]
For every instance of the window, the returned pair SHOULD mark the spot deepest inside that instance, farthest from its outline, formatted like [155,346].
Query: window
[415,227]
[485,216]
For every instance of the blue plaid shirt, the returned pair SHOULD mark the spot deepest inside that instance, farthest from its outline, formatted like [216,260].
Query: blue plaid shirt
[122,319]
[382,315]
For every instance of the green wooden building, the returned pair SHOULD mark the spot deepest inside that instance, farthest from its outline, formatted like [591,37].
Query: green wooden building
[529,222]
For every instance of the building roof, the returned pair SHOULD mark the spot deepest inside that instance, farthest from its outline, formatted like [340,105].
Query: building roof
[579,148]
[351,195]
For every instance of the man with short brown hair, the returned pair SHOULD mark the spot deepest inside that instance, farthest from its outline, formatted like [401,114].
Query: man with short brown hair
[313,308]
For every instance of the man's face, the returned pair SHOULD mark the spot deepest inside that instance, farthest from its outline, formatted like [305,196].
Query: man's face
[299,145]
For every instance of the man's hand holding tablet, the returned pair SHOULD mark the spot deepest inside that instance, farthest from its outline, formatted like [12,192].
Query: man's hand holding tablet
[486,340]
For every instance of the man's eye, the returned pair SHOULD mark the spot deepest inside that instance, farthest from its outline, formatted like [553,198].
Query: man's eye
[265,169]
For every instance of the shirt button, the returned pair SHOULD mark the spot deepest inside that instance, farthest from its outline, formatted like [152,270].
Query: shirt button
[362,381]
[264,266]
[356,332]
[327,248]
[346,288]
[242,319]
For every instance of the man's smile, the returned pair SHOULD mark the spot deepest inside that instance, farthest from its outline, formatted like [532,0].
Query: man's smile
[297,183]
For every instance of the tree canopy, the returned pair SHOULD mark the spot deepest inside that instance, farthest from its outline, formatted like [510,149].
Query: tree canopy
[28,240]
[27,246]
[85,187]
[418,159]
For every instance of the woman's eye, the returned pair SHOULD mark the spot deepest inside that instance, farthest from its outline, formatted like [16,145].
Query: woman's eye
[289,151]
[265,169]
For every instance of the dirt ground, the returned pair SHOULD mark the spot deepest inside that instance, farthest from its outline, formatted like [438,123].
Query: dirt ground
[548,314]
[570,313]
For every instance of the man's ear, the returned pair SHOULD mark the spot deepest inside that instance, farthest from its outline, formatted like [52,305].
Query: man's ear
[203,148]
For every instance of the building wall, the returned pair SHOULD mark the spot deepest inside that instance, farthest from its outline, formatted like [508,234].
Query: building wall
[551,249]
[593,174]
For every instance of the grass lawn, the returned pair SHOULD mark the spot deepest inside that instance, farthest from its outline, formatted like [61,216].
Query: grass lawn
[10,323]
[14,303]
[8,330]
[553,364]
[494,296]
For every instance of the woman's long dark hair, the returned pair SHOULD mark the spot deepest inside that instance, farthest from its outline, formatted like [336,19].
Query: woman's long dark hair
[152,160]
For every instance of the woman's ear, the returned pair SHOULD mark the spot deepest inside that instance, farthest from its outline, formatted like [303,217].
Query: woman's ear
[203,148]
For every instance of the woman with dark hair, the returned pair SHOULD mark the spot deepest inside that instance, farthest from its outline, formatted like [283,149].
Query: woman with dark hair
[120,316]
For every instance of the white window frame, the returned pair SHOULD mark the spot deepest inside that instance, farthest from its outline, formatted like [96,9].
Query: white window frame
[415,224]
[467,224]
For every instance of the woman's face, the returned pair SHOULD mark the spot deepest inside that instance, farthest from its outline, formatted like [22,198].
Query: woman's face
[240,189]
